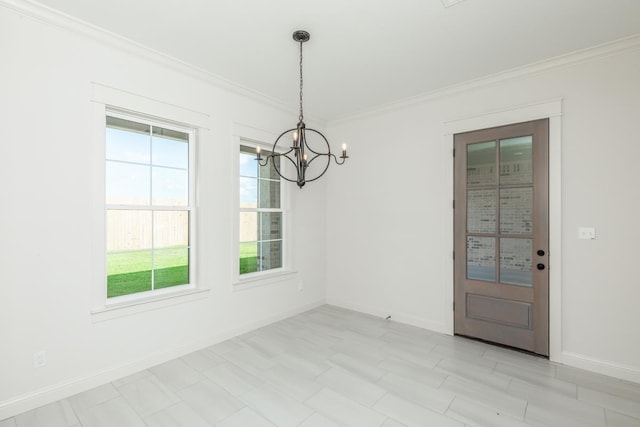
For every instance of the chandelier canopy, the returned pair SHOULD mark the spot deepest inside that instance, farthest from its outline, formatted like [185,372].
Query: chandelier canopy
[309,152]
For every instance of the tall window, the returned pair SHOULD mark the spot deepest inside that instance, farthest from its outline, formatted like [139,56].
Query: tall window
[148,205]
[261,214]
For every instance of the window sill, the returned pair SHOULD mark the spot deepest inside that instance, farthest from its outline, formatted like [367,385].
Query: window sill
[263,279]
[140,305]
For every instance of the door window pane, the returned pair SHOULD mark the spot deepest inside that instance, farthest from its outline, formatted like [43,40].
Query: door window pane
[516,160]
[515,261]
[481,163]
[481,211]
[516,205]
[481,258]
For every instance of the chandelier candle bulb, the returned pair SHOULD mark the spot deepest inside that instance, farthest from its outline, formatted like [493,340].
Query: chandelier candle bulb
[344,150]
[258,153]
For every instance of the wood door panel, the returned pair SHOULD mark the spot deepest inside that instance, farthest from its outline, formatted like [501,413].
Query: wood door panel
[510,304]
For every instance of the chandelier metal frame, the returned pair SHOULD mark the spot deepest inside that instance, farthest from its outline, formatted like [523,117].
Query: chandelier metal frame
[300,154]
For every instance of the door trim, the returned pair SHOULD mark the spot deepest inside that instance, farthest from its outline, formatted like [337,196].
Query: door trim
[552,110]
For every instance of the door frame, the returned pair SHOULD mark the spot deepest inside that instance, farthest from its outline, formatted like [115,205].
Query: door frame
[552,110]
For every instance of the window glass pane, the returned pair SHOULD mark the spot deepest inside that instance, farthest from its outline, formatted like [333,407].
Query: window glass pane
[127,184]
[248,226]
[269,194]
[248,192]
[171,149]
[516,205]
[268,171]
[270,255]
[481,162]
[127,141]
[481,211]
[170,229]
[515,261]
[171,267]
[270,225]
[248,163]
[516,160]
[170,187]
[248,257]
[481,258]
[129,252]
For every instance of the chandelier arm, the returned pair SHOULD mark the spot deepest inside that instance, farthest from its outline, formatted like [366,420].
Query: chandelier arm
[278,169]
[325,141]
[320,175]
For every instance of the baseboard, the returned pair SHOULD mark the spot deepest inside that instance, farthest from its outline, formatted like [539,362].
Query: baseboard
[627,373]
[431,325]
[50,394]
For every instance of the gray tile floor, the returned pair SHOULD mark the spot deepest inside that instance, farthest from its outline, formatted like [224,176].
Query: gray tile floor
[334,367]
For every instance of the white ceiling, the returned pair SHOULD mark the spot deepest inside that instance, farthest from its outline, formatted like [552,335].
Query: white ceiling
[362,53]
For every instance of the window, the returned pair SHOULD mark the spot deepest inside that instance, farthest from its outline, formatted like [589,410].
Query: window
[261,215]
[148,205]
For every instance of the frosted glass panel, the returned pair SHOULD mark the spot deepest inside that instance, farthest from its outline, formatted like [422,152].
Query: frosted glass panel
[481,259]
[515,160]
[516,205]
[481,163]
[481,211]
[515,261]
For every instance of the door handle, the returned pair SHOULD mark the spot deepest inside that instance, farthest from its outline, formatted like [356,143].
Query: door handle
[540,252]
[540,266]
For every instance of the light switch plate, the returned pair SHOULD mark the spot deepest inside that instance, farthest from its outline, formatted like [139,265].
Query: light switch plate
[586,233]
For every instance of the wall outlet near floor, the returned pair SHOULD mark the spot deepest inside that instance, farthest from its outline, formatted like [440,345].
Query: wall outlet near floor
[39,359]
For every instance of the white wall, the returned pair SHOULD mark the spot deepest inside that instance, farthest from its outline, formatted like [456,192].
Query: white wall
[46,222]
[390,215]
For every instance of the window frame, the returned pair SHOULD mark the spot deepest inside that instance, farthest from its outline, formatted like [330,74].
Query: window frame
[192,135]
[274,275]
[104,100]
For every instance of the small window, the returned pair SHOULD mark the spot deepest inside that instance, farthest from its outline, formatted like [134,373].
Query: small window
[261,214]
[148,205]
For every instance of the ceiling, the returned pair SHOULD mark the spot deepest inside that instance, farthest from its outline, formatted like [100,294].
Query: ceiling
[362,53]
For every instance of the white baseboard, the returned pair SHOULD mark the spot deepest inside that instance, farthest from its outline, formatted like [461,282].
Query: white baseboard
[627,373]
[431,325]
[44,396]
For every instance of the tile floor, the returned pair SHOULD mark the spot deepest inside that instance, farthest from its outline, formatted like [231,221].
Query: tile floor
[334,367]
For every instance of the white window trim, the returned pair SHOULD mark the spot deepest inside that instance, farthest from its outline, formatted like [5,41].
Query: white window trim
[107,101]
[249,136]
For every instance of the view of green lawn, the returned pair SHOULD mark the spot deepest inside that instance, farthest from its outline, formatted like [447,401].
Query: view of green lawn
[248,257]
[130,272]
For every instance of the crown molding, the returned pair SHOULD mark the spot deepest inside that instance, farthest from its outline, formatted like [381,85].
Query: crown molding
[584,55]
[61,20]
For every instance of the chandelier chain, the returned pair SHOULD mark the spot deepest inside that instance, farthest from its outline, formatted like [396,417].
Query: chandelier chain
[301,116]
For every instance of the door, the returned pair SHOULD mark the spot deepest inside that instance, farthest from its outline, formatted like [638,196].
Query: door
[501,236]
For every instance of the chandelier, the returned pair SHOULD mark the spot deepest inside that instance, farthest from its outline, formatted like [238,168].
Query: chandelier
[307,145]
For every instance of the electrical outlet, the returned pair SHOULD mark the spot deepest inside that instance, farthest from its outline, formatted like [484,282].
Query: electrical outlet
[39,359]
